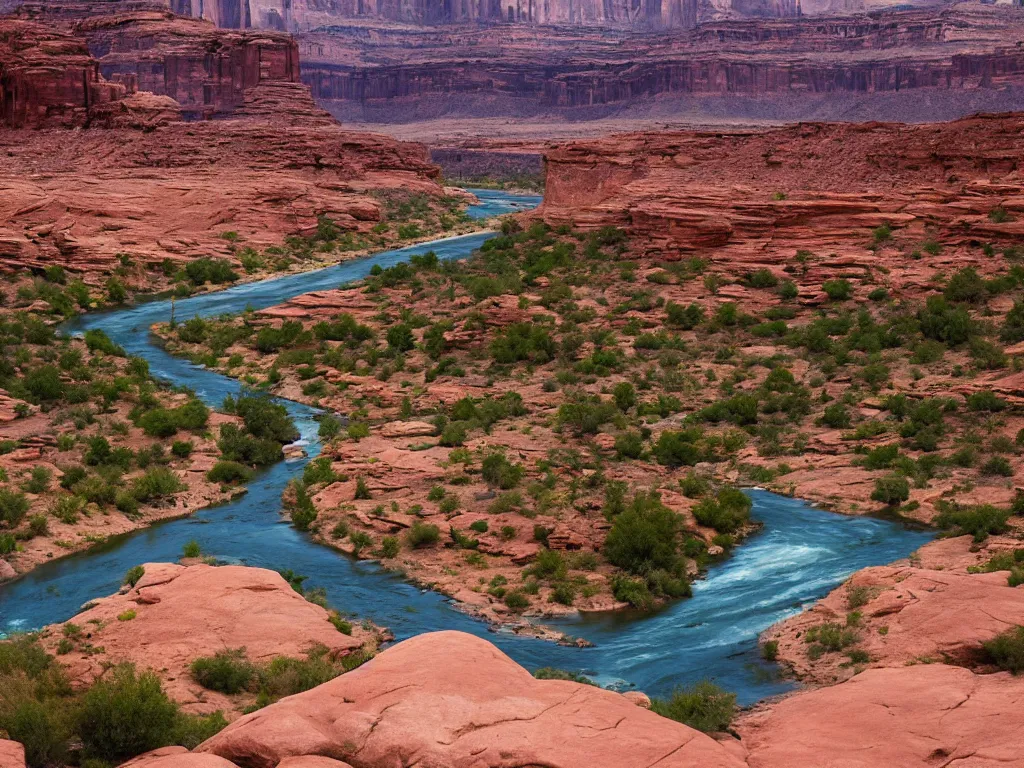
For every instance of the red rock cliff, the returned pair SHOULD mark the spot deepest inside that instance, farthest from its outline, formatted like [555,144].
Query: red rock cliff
[205,69]
[917,65]
[756,197]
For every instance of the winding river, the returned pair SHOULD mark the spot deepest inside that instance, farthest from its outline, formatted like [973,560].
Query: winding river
[800,555]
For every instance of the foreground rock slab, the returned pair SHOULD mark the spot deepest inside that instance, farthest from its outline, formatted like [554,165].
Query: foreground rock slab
[451,699]
[911,717]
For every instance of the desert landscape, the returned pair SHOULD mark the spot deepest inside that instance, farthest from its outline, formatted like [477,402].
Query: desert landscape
[558,384]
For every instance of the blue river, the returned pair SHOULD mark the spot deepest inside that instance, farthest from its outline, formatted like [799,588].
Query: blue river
[800,554]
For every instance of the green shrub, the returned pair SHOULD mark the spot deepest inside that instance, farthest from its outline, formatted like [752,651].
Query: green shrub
[828,638]
[1006,650]
[629,445]
[40,725]
[423,535]
[586,416]
[703,706]
[13,507]
[837,289]
[517,601]
[124,715]
[978,521]
[986,401]
[39,480]
[521,342]
[644,536]
[182,449]
[836,416]
[632,591]
[966,285]
[687,318]
[390,546]
[191,549]
[727,512]
[98,341]
[891,490]
[943,322]
[264,419]
[136,572]
[156,483]
[228,472]
[551,673]
[998,466]
[227,671]
[499,471]
[677,448]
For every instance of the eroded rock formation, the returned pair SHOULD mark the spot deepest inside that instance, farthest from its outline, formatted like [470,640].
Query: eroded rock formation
[205,69]
[927,64]
[758,197]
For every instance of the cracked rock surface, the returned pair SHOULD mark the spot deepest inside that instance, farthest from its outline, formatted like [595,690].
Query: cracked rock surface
[922,716]
[451,699]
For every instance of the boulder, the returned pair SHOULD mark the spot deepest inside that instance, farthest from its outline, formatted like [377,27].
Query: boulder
[452,699]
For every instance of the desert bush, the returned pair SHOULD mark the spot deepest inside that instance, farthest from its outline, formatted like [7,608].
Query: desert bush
[703,706]
[227,671]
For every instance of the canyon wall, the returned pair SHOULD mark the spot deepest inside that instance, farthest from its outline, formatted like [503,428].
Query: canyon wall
[305,15]
[919,65]
[48,78]
[758,197]
[205,69]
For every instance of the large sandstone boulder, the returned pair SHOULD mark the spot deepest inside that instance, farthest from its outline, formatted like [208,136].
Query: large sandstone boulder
[183,612]
[451,699]
[922,716]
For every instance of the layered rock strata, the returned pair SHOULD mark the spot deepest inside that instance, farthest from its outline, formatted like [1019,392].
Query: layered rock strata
[918,65]
[758,197]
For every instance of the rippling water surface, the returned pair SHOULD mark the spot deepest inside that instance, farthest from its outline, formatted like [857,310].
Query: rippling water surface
[800,555]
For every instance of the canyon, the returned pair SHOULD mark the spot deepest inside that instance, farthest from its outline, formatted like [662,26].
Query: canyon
[555,423]
[164,181]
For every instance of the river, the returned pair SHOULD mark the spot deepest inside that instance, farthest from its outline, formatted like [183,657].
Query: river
[800,554]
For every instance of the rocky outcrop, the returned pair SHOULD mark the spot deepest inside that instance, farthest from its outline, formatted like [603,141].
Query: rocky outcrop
[176,613]
[759,197]
[451,699]
[206,70]
[913,717]
[48,78]
[169,191]
[919,65]
[904,615]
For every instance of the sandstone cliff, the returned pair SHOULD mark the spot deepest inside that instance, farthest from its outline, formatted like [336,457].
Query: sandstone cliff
[205,69]
[758,197]
[920,65]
